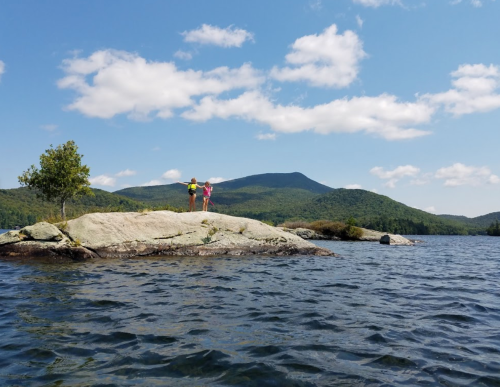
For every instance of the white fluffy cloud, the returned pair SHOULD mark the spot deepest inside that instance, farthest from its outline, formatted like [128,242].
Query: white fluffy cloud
[353,186]
[126,172]
[103,180]
[474,3]
[123,82]
[460,174]
[266,136]
[474,90]
[172,174]
[430,209]
[384,115]
[359,21]
[215,180]
[223,37]
[376,3]
[184,55]
[152,182]
[395,175]
[2,69]
[328,59]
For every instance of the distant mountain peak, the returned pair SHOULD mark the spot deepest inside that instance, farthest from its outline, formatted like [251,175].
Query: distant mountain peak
[277,180]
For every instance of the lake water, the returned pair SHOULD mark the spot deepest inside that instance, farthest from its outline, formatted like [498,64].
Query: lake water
[377,316]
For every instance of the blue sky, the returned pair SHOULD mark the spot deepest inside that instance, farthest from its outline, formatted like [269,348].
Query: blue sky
[399,97]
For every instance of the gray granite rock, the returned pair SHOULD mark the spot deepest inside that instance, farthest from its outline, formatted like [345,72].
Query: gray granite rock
[42,231]
[134,234]
[390,239]
[10,237]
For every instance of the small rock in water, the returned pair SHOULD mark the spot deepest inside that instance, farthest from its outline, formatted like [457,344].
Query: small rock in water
[390,239]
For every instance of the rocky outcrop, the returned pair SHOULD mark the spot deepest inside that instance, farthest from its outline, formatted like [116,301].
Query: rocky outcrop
[106,235]
[391,239]
[371,235]
[368,236]
[306,233]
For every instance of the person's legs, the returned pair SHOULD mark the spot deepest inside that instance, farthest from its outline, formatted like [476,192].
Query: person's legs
[192,204]
[205,203]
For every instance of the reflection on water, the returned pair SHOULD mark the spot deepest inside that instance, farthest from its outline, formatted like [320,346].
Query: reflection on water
[378,315]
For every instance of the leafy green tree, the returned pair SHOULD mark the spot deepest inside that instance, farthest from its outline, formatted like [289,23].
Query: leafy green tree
[61,176]
[494,229]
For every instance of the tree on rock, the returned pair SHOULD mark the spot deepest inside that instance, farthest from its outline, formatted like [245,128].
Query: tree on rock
[61,175]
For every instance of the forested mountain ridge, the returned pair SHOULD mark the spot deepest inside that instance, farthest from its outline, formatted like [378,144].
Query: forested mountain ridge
[379,212]
[482,221]
[21,207]
[232,191]
[268,197]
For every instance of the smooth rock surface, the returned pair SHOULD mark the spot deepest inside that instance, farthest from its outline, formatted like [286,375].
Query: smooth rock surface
[306,233]
[133,234]
[371,235]
[390,239]
[10,237]
[42,231]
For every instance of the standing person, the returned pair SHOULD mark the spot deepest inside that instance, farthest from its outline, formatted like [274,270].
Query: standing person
[192,193]
[207,192]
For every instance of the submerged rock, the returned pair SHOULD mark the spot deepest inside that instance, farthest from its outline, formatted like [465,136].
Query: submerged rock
[122,235]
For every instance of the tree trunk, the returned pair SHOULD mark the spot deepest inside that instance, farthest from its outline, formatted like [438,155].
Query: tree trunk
[63,209]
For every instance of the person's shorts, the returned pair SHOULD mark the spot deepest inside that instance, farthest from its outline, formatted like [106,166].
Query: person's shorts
[192,192]
[206,197]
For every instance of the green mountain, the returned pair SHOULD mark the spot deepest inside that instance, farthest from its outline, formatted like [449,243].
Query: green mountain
[377,212]
[275,197]
[293,196]
[254,189]
[482,222]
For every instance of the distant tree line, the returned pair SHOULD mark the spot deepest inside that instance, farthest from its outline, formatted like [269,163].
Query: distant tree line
[494,229]
[412,227]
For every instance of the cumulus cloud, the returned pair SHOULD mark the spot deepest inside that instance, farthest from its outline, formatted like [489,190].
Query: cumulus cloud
[395,175]
[384,115]
[103,180]
[123,82]
[474,3]
[126,172]
[223,37]
[359,21]
[376,3]
[2,69]
[184,55]
[430,209]
[460,174]
[152,182]
[328,59]
[215,180]
[474,90]
[353,186]
[172,174]
[266,136]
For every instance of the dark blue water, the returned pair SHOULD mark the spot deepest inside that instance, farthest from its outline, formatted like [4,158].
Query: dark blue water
[377,316]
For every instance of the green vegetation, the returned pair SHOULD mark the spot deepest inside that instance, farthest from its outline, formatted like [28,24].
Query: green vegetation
[21,207]
[494,229]
[61,176]
[270,198]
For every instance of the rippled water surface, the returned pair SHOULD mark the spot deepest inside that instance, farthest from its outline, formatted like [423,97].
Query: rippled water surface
[377,316]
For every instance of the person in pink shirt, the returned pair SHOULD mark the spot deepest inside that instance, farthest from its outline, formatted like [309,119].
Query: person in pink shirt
[207,192]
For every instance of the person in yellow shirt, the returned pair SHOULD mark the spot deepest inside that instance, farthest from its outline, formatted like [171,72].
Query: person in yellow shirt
[192,193]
